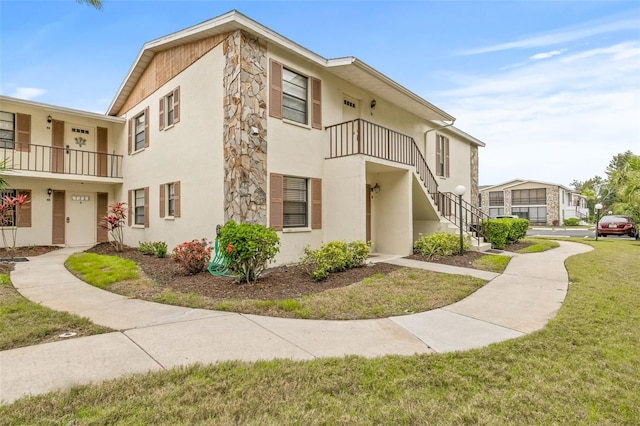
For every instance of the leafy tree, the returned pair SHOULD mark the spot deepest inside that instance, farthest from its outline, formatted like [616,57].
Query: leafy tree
[95,3]
[624,180]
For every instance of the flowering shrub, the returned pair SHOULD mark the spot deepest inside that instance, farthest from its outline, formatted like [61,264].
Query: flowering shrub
[10,216]
[334,256]
[114,221]
[192,257]
[249,248]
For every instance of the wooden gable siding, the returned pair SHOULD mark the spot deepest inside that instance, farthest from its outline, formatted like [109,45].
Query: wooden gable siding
[167,64]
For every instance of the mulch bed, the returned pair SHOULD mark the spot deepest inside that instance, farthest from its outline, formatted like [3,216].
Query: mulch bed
[282,282]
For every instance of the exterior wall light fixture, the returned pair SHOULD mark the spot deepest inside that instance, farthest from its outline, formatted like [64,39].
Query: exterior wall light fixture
[375,188]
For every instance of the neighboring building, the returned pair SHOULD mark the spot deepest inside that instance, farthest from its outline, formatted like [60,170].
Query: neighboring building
[542,203]
[229,120]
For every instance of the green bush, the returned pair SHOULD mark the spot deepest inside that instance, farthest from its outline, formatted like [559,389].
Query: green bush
[146,248]
[518,229]
[248,248]
[439,244]
[158,248]
[571,221]
[334,256]
[504,231]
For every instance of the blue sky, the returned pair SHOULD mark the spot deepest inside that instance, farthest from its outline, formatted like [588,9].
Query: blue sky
[552,87]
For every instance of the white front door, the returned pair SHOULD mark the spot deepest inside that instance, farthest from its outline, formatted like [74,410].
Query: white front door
[81,218]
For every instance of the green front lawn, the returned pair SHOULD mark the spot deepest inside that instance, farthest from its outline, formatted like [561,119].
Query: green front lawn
[24,323]
[582,368]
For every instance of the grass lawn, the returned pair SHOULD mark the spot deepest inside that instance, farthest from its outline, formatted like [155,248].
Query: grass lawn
[24,323]
[538,245]
[582,368]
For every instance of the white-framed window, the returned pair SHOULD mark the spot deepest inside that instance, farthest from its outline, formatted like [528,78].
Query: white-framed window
[170,109]
[295,202]
[139,125]
[139,204]
[442,156]
[171,206]
[535,215]
[294,96]
[7,130]
[7,214]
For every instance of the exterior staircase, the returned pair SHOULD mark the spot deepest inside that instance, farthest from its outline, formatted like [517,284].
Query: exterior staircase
[363,137]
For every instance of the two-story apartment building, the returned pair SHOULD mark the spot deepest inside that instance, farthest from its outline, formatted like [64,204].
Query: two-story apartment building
[230,120]
[542,203]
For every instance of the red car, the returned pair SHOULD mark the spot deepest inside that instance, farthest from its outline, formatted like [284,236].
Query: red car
[617,225]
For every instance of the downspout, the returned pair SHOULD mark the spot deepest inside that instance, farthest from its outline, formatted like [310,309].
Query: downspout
[433,130]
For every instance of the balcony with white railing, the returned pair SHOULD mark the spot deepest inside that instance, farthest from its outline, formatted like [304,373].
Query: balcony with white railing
[61,161]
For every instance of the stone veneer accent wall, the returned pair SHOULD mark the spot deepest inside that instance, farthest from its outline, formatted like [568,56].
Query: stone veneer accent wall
[553,207]
[474,175]
[245,106]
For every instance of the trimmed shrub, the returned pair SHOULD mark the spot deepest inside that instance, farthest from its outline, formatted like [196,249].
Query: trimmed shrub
[192,257]
[504,231]
[159,248]
[146,248]
[248,248]
[518,230]
[334,256]
[439,244]
[571,221]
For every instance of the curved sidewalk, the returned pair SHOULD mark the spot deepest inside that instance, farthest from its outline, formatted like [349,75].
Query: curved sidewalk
[153,336]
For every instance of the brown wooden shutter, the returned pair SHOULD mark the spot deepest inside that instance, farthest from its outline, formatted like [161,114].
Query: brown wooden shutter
[176,199]
[146,127]
[23,132]
[316,203]
[24,215]
[276,207]
[176,105]
[146,206]
[162,199]
[438,157]
[275,89]
[316,103]
[446,157]
[161,109]
[130,126]
[130,208]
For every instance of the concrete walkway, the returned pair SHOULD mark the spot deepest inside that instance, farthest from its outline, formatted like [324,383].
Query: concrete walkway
[153,336]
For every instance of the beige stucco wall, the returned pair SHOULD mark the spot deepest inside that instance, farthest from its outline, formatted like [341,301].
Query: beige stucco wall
[81,228]
[189,152]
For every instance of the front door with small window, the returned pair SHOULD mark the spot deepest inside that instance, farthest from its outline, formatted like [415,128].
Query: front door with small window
[350,108]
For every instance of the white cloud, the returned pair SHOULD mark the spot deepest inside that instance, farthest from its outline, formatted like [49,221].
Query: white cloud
[555,120]
[27,93]
[582,31]
[547,55]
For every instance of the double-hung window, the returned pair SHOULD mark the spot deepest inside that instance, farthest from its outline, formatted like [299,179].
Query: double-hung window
[7,130]
[139,206]
[294,96]
[139,129]
[170,109]
[295,202]
[140,202]
[524,197]
[442,156]
[170,200]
